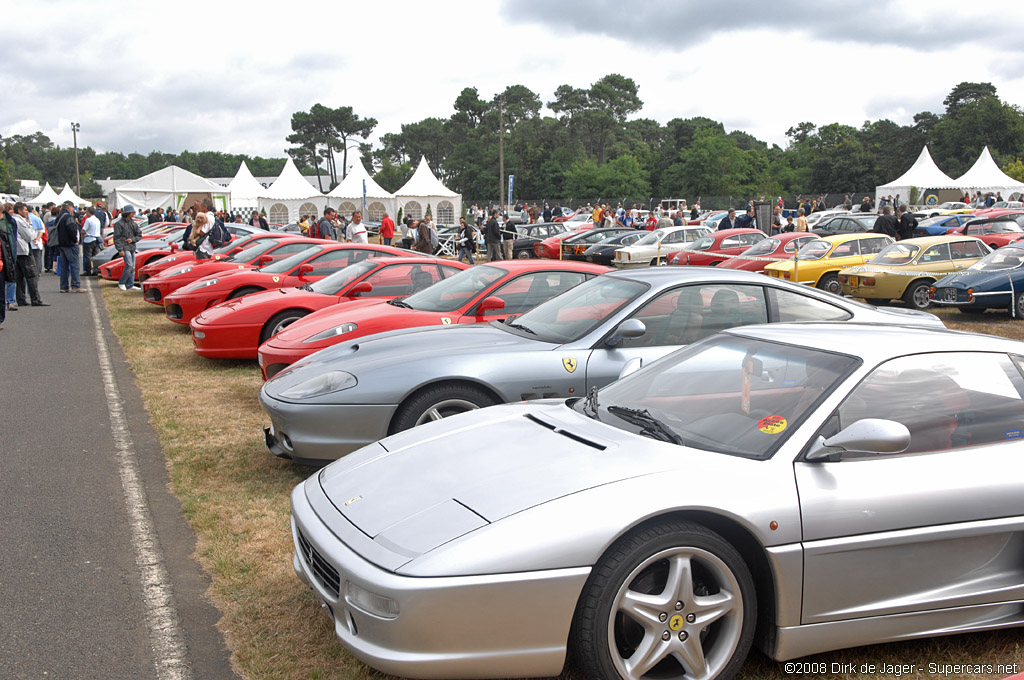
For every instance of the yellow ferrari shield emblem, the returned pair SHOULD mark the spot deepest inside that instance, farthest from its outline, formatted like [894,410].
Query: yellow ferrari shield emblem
[569,363]
[676,622]
[445,320]
[276,279]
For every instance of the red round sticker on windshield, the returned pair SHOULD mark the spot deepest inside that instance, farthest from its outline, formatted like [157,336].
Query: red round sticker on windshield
[772,424]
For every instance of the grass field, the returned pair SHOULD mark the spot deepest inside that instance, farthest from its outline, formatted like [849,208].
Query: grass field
[235,497]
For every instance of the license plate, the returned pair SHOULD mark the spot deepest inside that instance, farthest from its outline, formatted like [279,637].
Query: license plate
[949,294]
[854,281]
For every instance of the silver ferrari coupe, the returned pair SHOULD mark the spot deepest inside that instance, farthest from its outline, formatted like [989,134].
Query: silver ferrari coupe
[798,487]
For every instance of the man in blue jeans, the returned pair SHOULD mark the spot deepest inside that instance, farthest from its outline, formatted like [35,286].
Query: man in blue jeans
[67,242]
[126,235]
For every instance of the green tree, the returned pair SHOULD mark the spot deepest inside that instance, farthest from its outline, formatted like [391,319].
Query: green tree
[1014,169]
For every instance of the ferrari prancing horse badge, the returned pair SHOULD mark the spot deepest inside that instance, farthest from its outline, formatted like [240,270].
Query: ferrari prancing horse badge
[569,363]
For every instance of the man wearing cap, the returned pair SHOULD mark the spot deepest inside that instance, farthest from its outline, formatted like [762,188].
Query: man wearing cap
[67,243]
[126,235]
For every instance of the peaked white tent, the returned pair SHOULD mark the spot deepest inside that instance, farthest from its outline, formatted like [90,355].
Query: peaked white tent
[245,190]
[47,195]
[67,194]
[923,174]
[348,196]
[424,188]
[985,176]
[291,196]
[171,186]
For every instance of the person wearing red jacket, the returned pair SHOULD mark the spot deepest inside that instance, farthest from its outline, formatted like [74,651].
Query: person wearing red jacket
[387,230]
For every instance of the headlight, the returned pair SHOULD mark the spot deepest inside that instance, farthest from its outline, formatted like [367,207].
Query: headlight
[332,332]
[201,284]
[332,381]
[186,270]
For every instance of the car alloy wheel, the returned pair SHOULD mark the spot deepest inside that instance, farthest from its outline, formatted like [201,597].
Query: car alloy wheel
[1018,306]
[441,401]
[279,322]
[670,600]
[830,283]
[523,255]
[916,295]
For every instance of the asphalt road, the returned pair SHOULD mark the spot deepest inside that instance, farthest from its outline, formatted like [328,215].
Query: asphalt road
[72,601]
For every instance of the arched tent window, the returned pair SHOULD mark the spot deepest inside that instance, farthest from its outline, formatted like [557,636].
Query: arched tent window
[308,209]
[445,213]
[375,211]
[414,210]
[278,213]
[347,208]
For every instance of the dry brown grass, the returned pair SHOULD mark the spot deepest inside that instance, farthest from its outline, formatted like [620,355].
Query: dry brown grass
[235,497]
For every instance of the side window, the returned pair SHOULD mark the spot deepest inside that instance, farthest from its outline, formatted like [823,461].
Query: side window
[975,230]
[526,292]
[790,306]
[402,279]
[731,242]
[872,246]
[674,237]
[632,238]
[937,253]
[288,249]
[751,239]
[447,270]
[972,249]
[689,313]
[848,249]
[947,401]
[331,261]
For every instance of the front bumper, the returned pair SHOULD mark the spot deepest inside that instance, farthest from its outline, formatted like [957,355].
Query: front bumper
[274,359]
[489,626]
[217,341]
[188,306]
[320,433]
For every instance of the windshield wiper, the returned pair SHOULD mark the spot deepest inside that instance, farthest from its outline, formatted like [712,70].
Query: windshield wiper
[522,328]
[307,286]
[398,303]
[652,427]
[590,404]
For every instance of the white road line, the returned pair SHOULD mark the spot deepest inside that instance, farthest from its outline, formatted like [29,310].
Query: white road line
[169,649]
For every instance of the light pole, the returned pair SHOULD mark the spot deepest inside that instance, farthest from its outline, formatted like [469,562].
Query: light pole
[75,127]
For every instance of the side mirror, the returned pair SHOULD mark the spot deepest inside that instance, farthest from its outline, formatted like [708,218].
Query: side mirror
[870,435]
[306,268]
[630,328]
[174,246]
[630,367]
[264,260]
[360,288]
[488,304]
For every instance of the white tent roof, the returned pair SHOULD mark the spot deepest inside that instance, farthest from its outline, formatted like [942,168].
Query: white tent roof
[424,183]
[352,185]
[244,188]
[47,195]
[175,180]
[66,194]
[923,174]
[290,185]
[987,176]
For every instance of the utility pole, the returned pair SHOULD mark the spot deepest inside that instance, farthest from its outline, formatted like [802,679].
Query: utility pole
[75,127]
[501,155]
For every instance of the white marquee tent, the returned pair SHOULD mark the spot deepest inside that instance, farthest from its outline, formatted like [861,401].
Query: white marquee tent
[291,196]
[985,176]
[47,195]
[923,174]
[348,196]
[171,186]
[245,190]
[424,188]
[67,194]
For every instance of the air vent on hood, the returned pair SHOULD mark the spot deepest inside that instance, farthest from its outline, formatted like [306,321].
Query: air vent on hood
[565,433]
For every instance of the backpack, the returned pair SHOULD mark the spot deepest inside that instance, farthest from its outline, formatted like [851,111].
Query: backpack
[219,235]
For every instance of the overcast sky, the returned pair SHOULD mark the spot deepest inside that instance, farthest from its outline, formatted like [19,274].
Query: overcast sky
[211,75]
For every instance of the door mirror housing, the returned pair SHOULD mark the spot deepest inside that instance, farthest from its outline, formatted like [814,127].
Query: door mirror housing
[304,269]
[630,328]
[490,303]
[264,260]
[870,435]
[360,288]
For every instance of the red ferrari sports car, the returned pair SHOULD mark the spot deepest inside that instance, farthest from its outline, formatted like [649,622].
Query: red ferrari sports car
[775,249]
[486,292]
[551,247]
[180,258]
[714,249]
[312,263]
[261,253]
[235,329]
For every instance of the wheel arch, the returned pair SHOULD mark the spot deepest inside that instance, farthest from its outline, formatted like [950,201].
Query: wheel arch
[248,288]
[273,316]
[920,279]
[443,382]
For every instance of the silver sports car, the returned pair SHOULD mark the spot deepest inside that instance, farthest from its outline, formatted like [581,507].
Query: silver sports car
[354,393]
[801,487]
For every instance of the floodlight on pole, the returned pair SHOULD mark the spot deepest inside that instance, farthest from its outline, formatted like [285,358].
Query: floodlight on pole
[75,127]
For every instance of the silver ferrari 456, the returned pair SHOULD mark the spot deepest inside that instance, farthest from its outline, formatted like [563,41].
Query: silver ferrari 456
[354,393]
[796,487]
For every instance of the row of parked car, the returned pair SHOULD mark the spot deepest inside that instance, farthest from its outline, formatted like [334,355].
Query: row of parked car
[655,467]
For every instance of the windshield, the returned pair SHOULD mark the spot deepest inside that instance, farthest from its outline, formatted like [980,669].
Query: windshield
[228,247]
[765,247]
[731,395]
[896,253]
[451,293]
[651,239]
[579,310]
[815,250]
[333,284]
[1002,228]
[1005,258]
[282,266]
[937,221]
[252,252]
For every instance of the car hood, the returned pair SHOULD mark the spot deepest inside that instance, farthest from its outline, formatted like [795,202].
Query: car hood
[258,305]
[417,490]
[968,278]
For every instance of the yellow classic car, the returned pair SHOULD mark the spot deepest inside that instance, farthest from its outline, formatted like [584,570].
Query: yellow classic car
[907,269]
[818,263]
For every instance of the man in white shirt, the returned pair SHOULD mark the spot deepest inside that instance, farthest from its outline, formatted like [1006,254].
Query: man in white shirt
[356,230]
[91,235]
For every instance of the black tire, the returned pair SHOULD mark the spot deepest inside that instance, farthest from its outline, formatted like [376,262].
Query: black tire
[243,291]
[877,301]
[279,321]
[973,311]
[830,283]
[916,295]
[439,401]
[722,600]
[524,255]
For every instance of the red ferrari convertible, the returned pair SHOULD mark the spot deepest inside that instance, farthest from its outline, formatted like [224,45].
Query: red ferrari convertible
[487,292]
[311,264]
[235,329]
